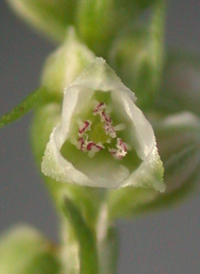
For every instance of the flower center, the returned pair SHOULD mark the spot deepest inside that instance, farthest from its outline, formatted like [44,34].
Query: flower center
[99,133]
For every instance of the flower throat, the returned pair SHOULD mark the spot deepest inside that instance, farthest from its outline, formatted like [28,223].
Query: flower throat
[100,134]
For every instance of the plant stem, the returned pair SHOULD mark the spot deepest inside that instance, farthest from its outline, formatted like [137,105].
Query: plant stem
[84,249]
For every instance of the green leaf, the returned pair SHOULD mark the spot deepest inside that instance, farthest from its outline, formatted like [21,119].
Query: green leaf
[24,107]
[85,236]
[181,86]
[50,17]
[23,250]
[137,56]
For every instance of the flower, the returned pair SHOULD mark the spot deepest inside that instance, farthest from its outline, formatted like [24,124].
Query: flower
[104,140]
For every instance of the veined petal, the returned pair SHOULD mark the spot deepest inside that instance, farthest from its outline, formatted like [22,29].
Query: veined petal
[97,155]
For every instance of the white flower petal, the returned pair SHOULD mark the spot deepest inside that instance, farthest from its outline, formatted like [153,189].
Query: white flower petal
[149,173]
[103,170]
[100,76]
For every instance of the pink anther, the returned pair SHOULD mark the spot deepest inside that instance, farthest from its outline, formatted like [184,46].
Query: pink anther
[112,151]
[109,130]
[81,144]
[121,150]
[99,108]
[115,153]
[83,128]
[121,146]
[94,147]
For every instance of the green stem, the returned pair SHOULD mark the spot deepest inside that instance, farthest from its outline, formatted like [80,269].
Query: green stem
[24,107]
[86,248]
[86,238]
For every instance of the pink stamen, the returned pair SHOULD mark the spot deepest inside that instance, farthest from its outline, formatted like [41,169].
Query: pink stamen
[121,150]
[112,151]
[109,130]
[99,108]
[83,128]
[81,144]
[106,117]
[94,147]
[121,145]
[115,153]
[85,144]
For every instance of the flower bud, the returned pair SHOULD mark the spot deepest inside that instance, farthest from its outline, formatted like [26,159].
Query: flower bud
[99,21]
[65,64]
[103,140]
[95,23]
[24,250]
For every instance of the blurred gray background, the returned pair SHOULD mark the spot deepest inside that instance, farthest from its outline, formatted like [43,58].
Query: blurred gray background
[167,242]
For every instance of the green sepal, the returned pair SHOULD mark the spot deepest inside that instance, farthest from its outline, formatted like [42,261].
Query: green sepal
[23,108]
[137,55]
[180,90]
[51,17]
[23,250]
[85,236]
